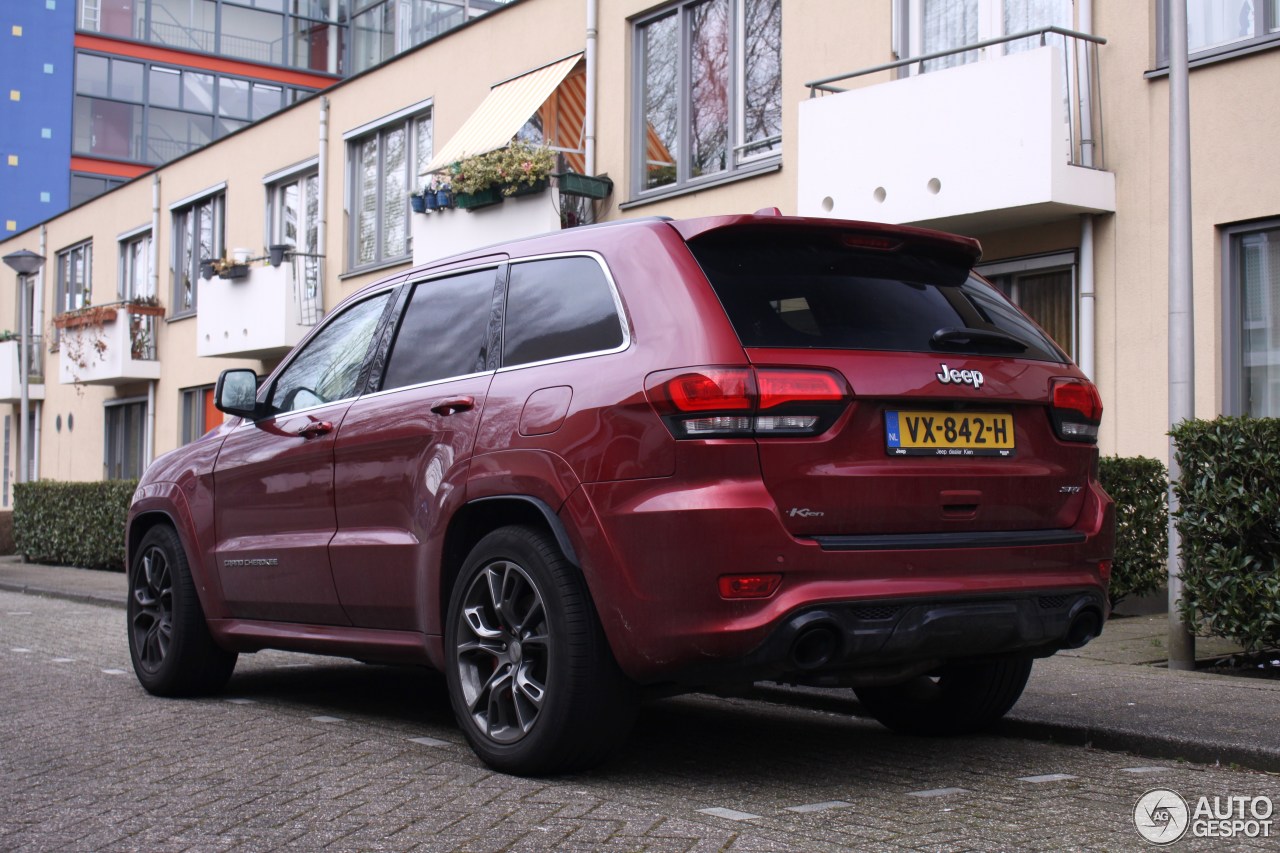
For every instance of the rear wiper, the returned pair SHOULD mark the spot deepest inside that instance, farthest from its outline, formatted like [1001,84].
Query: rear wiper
[954,338]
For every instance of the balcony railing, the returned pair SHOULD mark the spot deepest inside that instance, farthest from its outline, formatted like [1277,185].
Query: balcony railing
[1079,71]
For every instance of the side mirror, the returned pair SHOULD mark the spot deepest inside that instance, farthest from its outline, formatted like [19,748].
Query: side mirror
[236,393]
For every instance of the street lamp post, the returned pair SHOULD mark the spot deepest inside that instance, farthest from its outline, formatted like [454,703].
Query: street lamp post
[25,263]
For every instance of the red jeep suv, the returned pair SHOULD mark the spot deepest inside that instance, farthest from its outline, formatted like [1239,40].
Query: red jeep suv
[653,455]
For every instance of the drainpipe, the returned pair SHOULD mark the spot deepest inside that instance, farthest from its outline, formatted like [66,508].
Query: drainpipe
[1182,365]
[153,285]
[589,117]
[37,321]
[322,186]
[1085,360]
[1086,354]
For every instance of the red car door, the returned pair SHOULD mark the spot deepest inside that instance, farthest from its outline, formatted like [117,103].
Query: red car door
[274,512]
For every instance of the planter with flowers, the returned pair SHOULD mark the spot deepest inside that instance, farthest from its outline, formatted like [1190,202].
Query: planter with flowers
[485,179]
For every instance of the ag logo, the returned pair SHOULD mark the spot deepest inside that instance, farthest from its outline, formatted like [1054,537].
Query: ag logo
[1161,816]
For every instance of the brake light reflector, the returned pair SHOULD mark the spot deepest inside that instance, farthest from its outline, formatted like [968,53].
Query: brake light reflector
[748,586]
[1077,410]
[711,389]
[730,402]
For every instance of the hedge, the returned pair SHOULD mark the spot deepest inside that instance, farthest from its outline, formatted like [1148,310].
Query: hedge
[1139,486]
[1229,521]
[72,524]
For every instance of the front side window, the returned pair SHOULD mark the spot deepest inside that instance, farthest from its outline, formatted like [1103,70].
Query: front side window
[125,440]
[75,278]
[197,236]
[710,91]
[1254,293]
[328,369]
[385,166]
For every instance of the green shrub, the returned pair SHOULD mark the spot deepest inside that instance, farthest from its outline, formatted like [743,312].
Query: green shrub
[1139,486]
[72,524]
[1229,520]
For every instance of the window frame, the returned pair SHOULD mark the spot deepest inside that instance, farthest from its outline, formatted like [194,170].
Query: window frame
[1234,394]
[740,164]
[191,400]
[85,288]
[406,121]
[110,440]
[126,268]
[1262,40]
[216,199]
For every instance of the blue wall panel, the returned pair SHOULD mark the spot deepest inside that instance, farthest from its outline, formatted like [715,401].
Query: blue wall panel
[37,40]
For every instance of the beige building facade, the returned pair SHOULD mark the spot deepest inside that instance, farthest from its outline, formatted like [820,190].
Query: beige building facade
[1055,155]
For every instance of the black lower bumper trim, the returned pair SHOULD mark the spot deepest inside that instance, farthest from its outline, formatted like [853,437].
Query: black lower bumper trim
[927,541]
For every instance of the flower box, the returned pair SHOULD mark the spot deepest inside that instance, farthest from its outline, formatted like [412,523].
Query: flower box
[481,198]
[418,203]
[587,186]
[234,271]
[529,189]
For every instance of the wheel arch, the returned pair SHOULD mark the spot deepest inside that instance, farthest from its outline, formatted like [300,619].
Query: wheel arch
[482,516]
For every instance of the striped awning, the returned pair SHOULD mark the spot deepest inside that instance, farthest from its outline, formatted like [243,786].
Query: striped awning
[503,112]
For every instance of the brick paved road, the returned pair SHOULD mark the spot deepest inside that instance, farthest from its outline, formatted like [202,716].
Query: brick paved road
[304,753]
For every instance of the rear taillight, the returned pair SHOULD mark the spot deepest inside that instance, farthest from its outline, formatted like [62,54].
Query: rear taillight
[728,402]
[1077,410]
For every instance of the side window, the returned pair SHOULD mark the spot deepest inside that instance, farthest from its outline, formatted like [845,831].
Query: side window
[329,368]
[444,330]
[556,308]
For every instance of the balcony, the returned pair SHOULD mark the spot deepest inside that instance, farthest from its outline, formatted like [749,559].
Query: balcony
[262,315]
[11,376]
[1003,142]
[111,344]
[440,233]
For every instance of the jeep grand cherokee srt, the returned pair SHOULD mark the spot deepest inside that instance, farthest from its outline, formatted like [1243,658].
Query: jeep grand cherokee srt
[646,455]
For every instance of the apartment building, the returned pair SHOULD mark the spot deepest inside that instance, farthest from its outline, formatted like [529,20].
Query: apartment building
[108,89]
[1051,148]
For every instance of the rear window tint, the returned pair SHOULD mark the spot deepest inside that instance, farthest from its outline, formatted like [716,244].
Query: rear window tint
[443,333]
[558,307]
[811,291]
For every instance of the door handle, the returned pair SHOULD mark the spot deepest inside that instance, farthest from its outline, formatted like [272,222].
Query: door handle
[315,429]
[453,405]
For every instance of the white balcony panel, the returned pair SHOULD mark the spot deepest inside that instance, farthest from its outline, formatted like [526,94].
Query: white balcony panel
[972,148]
[11,377]
[260,316]
[104,354]
[438,234]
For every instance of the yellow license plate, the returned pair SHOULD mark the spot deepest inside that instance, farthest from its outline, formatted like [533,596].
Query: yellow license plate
[948,433]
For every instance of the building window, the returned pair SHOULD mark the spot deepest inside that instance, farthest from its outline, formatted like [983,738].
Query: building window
[197,235]
[135,267]
[386,164]
[1253,315]
[293,218]
[709,77]
[1044,287]
[147,113]
[382,28]
[199,415]
[1222,27]
[302,33]
[928,26]
[75,278]
[125,439]
[85,187]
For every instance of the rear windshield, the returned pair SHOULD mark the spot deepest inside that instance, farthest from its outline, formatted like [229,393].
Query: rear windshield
[813,291]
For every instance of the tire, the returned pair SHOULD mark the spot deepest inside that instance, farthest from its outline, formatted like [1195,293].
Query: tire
[173,653]
[532,681]
[959,699]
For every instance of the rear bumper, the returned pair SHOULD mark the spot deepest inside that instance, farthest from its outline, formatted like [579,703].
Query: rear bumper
[652,556]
